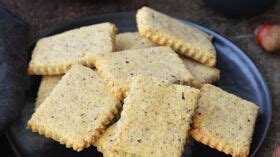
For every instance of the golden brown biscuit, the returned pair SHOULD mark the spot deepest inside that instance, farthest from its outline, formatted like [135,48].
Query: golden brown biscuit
[132,40]
[46,86]
[77,110]
[105,144]
[224,121]
[156,118]
[165,30]
[201,74]
[56,54]
[117,69]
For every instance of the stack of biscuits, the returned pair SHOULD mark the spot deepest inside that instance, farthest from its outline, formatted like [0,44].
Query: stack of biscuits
[140,94]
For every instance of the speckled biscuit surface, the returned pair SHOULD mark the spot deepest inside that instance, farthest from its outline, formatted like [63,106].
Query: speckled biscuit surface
[132,40]
[56,54]
[105,143]
[156,118]
[117,69]
[201,74]
[224,121]
[164,30]
[77,110]
[46,86]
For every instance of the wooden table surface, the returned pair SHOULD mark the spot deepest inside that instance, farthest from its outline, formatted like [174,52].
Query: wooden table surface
[43,15]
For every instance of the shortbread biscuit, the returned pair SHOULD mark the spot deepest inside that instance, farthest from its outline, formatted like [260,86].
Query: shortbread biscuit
[105,143]
[56,54]
[156,118]
[46,86]
[117,69]
[77,110]
[164,30]
[201,74]
[132,40]
[143,43]
[224,121]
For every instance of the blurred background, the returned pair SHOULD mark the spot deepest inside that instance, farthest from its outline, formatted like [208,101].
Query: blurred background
[235,19]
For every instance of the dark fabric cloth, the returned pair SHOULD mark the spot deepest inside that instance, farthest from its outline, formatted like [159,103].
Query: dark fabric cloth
[13,65]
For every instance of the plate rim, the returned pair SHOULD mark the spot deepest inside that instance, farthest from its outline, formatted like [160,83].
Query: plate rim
[255,71]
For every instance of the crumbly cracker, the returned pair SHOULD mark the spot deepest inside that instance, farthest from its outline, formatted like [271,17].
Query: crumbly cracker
[201,74]
[46,86]
[156,118]
[56,54]
[224,121]
[164,30]
[143,43]
[132,40]
[77,110]
[105,143]
[117,69]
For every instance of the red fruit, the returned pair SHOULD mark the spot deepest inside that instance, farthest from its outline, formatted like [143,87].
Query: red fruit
[277,151]
[268,37]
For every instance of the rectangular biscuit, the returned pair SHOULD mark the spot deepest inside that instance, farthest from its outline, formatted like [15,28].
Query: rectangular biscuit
[77,110]
[201,74]
[46,86]
[156,118]
[224,121]
[132,40]
[56,54]
[165,30]
[117,69]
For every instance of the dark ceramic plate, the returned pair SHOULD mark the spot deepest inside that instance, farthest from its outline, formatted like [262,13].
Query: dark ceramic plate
[238,75]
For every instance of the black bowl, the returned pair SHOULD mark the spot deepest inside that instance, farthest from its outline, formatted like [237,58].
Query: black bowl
[238,75]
